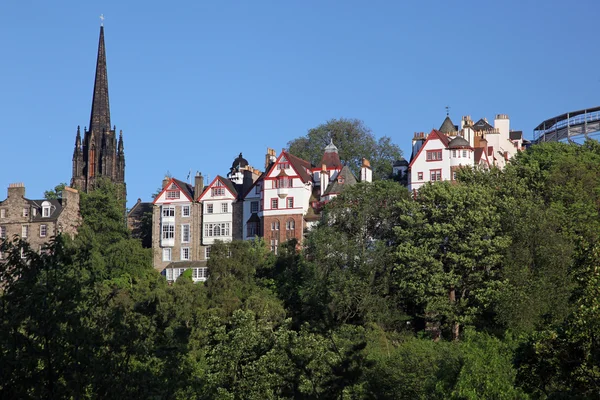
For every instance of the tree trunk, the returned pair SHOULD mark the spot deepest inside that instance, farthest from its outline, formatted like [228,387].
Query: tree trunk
[455,324]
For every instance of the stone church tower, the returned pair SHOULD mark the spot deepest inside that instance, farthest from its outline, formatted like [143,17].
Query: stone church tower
[99,154]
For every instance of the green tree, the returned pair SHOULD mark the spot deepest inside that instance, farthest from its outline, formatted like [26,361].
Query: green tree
[564,361]
[354,141]
[449,251]
[54,193]
[347,279]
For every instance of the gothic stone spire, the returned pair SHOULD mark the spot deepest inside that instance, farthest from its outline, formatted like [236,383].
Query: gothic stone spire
[100,118]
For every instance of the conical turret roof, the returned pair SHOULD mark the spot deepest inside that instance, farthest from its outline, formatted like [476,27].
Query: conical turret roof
[448,126]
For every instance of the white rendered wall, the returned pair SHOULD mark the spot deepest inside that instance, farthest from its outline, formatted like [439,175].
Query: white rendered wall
[247,208]
[420,164]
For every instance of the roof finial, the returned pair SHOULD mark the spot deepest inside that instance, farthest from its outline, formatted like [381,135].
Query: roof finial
[101,19]
[447,110]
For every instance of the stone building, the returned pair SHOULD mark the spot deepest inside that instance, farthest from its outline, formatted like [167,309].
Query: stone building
[176,222]
[99,154]
[139,220]
[187,220]
[38,221]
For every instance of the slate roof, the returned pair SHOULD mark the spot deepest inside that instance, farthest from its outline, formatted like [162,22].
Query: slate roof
[448,126]
[139,209]
[336,187]
[300,166]
[400,163]
[458,143]
[482,125]
[185,187]
[55,209]
[228,184]
[516,135]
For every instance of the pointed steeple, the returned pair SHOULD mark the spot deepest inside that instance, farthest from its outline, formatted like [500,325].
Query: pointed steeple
[100,118]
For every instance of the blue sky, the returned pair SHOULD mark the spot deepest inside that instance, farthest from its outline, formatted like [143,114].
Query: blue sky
[192,83]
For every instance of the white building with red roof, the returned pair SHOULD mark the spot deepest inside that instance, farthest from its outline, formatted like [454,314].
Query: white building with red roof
[438,155]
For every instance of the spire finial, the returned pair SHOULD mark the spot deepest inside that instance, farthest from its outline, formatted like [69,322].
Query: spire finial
[447,110]
[101,19]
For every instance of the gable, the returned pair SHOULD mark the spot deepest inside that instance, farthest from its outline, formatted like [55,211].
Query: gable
[291,166]
[482,125]
[435,140]
[175,191]
[219,188]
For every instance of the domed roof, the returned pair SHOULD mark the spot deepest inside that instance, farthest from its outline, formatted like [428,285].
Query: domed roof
[239,162]
[458,143]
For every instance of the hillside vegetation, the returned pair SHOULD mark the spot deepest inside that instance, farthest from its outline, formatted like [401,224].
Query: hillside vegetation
[488,288]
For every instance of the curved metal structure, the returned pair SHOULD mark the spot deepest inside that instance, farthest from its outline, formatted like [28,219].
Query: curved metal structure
[568,126]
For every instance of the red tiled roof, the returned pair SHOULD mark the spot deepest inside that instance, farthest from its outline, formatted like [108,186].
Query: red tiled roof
[331,159]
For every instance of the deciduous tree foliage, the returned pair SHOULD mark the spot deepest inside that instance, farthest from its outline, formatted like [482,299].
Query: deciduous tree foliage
[354,141]
[500,268]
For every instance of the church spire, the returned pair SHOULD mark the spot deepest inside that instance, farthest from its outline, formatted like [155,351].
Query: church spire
[100,118]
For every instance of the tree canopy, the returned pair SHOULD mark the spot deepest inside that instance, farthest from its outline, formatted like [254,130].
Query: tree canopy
[484,288]
[354,141]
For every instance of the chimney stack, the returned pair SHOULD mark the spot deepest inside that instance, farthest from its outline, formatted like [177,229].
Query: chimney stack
[70,198]
[16,190]
[366,174]
[270,158]
[324,178]
[198,185]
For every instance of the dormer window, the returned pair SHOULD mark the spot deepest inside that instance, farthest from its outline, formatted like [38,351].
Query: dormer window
[46,209]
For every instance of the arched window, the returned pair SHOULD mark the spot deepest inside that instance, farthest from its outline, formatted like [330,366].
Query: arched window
[217,230]
[290,225]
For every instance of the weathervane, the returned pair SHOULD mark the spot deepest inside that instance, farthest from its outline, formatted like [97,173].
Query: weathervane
[447,110]
[101,19]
